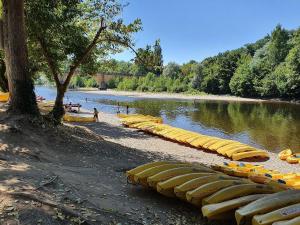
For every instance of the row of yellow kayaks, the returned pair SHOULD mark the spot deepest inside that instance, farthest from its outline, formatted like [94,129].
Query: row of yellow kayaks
[138,118]
[4,97]
[289,156]
[259,174]
[228,148]
[219,195]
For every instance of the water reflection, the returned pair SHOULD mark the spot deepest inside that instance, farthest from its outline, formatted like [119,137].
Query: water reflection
[272,126]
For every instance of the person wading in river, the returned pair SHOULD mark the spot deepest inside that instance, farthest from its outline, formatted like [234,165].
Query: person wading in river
[96,115]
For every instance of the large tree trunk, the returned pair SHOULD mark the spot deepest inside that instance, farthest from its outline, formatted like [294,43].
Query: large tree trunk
[58,110]
[1,34]
[3,79]
[22,96]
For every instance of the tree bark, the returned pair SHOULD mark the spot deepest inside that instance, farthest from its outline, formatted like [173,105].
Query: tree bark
[58,111]
[22,96]
[1,34]
[3,79]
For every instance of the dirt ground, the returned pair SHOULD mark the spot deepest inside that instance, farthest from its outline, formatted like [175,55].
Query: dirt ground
[71,175]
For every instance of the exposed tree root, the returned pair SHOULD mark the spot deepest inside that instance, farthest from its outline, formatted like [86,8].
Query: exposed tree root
[63,208]
[48,182]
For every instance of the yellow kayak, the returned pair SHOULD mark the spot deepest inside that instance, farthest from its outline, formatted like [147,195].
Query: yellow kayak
[250,154]
[226,209]
[4,97]
[293,159]
[292,182]
[295,221]
[266,204]
[285,213]
[237,191]
[285,153]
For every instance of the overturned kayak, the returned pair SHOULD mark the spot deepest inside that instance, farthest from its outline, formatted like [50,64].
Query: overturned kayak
[197,195]
[227,209]
[285,213]
[167,187]
[237,191]
[266,204]
[294,221]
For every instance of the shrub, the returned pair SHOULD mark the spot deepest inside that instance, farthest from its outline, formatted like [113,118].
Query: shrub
[172,70]
[76,81]
[90,82]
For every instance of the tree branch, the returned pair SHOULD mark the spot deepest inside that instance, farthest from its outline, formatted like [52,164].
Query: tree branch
[49,60]
[86,52]
[124,43]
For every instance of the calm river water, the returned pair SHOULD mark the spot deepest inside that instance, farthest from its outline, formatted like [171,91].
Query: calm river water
[272,126]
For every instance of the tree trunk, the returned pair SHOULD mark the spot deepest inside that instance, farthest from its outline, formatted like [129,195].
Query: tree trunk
[3,79]
[58,110]
[1,34]
[22,96]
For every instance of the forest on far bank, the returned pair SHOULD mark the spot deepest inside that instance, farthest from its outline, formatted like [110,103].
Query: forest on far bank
[268,68]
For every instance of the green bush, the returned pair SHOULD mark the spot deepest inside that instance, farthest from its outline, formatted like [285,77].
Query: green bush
[90,82]
[128,84]
[76,81]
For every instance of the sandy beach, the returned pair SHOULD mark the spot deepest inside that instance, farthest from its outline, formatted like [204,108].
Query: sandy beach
[180,96]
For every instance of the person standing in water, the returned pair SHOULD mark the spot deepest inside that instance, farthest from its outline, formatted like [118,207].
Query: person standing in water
[118,108]
[127,109]
[96,115]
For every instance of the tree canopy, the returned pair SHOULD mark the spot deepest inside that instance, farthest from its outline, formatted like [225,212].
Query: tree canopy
[148,59]
[267,68]
[68,37]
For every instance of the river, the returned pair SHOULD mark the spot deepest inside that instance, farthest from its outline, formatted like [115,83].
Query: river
[272,126]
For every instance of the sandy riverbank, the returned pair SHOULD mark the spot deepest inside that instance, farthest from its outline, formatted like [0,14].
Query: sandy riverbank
[111,130]
[180,96]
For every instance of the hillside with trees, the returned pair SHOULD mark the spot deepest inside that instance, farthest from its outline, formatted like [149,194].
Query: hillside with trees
[268,68]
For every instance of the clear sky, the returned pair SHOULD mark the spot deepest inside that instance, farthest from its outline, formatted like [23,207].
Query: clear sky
[195,29]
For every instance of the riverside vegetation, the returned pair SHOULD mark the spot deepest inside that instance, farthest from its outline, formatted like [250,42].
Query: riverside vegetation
[268,68]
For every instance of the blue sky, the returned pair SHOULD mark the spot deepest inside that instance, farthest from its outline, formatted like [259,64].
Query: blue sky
[196,29]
